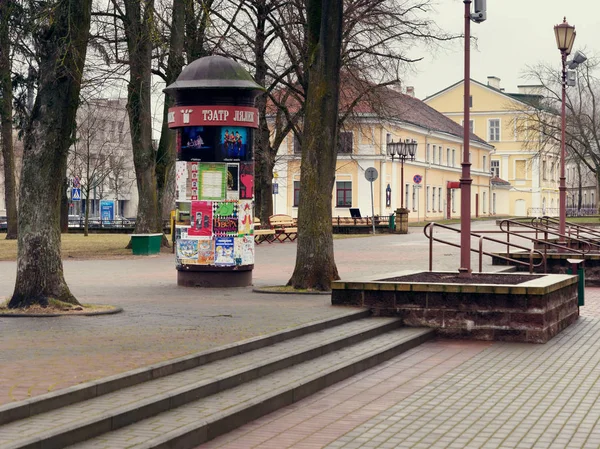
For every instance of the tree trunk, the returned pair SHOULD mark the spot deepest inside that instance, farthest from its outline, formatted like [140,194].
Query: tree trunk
[62,49]
[6,113]
[138,30]
[165,157]
[315,265]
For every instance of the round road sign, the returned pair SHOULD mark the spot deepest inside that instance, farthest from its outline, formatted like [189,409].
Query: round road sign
[371,174]
[417,179]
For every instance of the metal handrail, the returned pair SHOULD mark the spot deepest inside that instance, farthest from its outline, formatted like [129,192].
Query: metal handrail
[545,241]
[546,221]
[480,251]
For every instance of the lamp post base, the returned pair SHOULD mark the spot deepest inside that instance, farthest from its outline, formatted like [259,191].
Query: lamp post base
[401,221]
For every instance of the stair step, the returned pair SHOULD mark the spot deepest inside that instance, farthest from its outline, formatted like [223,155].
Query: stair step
[89,390]
[204,419]
[111,411]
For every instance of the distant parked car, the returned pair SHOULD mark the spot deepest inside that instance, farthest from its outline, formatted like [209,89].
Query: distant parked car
[75,221]
[3,223]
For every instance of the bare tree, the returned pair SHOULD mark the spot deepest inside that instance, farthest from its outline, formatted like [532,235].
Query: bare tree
[61,45]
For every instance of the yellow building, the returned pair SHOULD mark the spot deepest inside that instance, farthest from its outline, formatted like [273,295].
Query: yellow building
[426,190]
[500,118]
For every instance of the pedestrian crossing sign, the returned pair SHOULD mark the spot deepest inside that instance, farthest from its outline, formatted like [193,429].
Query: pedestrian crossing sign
[75,194]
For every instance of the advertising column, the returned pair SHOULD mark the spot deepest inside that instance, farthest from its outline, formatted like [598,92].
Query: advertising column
[214,191]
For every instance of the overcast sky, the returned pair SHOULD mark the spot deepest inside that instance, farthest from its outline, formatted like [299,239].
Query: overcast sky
[516,33]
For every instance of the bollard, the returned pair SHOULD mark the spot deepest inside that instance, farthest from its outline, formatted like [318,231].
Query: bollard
[577,267]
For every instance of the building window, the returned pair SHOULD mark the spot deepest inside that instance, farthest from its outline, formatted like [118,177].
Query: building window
[414,197]
[471,125]
[427,154]
[296,193]
[345,142]
[484,163]
[495,168]
[494,130]
[483,204]
[544,168]
[427,200]
[453,157]
[297,146]
[439,199]
[434,153]
[494,203]
[448,157]
[452,199]
[552,171]
[343,190]
[406,197]
[433,199]
[440,154]
[520,172]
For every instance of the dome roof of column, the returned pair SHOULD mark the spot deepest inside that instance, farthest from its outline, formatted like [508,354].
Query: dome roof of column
[213,72]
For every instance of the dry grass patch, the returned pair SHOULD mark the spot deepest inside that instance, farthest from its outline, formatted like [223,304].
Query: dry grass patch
[78,246]
[56,307]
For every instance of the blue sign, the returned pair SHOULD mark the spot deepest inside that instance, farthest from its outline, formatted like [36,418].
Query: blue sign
[275,188]
[107,210]
[75,194]
[417,179]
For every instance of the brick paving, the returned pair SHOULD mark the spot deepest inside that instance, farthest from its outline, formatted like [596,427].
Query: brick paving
[447,394]
[453,394]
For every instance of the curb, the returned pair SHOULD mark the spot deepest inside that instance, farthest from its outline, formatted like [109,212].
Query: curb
[54,315]
[273,292]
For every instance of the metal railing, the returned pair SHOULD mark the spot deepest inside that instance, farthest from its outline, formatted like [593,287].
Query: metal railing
[574,230]
[429,233]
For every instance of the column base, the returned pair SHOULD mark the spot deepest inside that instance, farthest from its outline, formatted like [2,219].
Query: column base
[214,277]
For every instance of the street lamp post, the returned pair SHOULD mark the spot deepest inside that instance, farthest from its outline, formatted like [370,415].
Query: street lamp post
[565,36]
[403,150]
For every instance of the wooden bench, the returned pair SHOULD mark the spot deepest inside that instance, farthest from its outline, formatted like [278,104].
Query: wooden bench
[261,235]
[284,227]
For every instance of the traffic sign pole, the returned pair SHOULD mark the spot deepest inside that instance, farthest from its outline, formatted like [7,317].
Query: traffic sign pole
[371,175]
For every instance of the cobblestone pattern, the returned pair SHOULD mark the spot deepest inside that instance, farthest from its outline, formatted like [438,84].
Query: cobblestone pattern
[130,397]
[254,392]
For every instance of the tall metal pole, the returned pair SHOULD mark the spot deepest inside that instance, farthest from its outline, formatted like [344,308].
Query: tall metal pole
[465,180]
[401,182]
[562,185]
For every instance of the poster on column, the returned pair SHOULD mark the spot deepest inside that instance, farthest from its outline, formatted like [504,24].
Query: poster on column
[224,251]
[244,250]
[181,179]
[245,223]
[187,251]
[212,181]
[247,180]
[201,219]
[233,181]
[225,220]
[206,251]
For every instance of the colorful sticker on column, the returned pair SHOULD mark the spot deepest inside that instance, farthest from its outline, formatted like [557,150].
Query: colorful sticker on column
[206,251]
[202,218]
[212,181]
[181,232]
[224,251]
[233,181]
[245,224]
[225,220]
[183,211]
[193,180]
[247,180]
[244,250]
[187,251]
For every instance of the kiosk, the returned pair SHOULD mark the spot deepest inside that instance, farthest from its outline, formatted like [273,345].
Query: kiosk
[214,118]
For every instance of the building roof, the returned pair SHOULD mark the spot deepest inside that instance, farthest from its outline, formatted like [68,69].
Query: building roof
[499,181]
[360,98]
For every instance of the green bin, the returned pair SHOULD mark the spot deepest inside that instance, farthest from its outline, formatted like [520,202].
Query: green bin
[392,222]
[145,244]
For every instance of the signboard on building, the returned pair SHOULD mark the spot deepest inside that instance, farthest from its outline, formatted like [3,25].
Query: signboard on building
[107,210]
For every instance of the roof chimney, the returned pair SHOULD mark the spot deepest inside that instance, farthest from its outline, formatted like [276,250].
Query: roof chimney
[531,89]
[410,90]
[494,82]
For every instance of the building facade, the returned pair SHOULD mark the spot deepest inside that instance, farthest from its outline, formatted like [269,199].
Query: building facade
[101,159]
[531,168]
[429,188]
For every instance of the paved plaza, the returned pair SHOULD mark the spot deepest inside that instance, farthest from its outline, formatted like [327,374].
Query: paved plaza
[442,394]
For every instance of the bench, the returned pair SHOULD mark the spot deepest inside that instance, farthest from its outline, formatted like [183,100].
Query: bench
[284,226]
[260,234]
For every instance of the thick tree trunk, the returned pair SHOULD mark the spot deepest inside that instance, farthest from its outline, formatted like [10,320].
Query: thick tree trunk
[315,265]
[63,44]
[165,157]
[6,113]
[138,30]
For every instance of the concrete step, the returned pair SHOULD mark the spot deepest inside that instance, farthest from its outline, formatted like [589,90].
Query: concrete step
[61,398]
[202,420]
[79,421]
